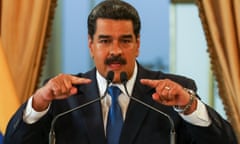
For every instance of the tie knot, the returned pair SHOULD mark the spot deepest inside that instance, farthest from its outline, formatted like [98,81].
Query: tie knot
[114,92]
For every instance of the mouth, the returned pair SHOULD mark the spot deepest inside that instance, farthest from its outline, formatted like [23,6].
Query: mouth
[115,66]
[115,62]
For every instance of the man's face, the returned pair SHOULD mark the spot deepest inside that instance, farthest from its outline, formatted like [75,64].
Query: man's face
[114,47]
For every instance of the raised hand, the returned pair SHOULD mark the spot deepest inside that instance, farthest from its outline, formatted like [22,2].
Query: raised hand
[59,87]
[170,93]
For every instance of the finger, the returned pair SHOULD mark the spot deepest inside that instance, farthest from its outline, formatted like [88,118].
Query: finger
[73,90]
[161,87]
[168,103]
[156,97]
[67,86]
[160,100]
[59,85]
[75,80]
[67,82]
[149,82]
[55,87]
[164,94]
[78,80]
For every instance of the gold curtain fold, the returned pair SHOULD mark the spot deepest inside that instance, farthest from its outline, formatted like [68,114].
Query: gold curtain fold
[25,31]
[221,23]
[9,101]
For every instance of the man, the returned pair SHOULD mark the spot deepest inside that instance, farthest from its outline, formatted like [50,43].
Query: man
[114,41]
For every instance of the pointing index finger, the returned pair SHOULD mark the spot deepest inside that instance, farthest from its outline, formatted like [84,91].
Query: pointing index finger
[79,80]
[149,82]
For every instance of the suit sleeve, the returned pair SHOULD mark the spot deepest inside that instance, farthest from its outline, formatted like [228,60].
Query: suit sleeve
[19,132]
[219,131]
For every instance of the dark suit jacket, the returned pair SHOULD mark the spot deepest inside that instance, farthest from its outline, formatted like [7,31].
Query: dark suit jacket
[141,126]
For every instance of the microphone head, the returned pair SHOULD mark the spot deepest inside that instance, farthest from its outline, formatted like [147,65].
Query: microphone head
[123,77]
[110,76]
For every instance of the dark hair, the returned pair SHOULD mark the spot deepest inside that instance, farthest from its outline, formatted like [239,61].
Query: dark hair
[114,9]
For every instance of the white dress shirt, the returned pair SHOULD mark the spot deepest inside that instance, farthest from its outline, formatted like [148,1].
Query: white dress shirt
[199,117]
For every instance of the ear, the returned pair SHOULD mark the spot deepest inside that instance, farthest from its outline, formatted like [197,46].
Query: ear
[90,45]
[137,45]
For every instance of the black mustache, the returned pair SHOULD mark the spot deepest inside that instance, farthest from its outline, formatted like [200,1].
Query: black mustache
[115,59]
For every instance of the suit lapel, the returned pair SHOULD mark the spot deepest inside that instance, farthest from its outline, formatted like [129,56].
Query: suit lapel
[92,114]
[136,112]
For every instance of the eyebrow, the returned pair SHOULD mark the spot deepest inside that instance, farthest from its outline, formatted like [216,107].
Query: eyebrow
[104,36]
[127,36]
[107,36]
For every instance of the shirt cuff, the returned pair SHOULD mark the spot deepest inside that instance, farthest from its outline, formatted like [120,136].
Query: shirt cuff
[199,117]
[31,116]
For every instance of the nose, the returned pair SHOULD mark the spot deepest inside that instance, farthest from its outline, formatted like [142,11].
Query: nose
[115,48]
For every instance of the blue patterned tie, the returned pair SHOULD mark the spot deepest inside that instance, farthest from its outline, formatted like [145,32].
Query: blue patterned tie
[115,120]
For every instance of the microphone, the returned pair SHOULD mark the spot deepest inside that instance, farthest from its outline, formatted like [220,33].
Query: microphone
[124,79]
[52,138]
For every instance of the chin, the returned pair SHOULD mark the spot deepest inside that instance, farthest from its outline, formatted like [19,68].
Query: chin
[116,79]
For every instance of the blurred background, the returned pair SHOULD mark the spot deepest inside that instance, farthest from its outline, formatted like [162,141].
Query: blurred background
[172,40]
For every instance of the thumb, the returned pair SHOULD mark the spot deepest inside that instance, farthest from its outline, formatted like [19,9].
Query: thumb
[73,90]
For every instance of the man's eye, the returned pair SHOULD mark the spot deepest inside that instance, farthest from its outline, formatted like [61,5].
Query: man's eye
[104,41]
[126,41]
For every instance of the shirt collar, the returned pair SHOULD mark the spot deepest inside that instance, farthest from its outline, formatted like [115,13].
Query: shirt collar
[102,83]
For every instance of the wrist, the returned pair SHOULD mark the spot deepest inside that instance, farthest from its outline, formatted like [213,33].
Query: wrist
[190,106]
[39,103]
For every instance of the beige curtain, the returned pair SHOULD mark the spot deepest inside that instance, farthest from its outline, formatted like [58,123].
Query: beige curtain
[221,23]
[25,31]
[8,97]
